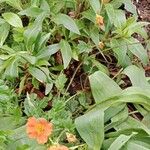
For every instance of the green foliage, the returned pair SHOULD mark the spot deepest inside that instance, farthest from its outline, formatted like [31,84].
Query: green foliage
[49,48]
[109,96]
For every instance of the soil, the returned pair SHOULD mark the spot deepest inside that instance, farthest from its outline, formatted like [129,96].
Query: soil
[143,9]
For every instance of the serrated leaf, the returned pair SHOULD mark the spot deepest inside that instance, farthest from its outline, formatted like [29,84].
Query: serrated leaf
[13,19]
[67,22]
[66,52]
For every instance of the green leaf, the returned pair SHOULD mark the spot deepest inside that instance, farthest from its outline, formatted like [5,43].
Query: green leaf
[103,87]
[94,34]
[60,82]
[120,49]
[32,32]
[66,52]
[91,128]
[4,30]
[95,4]
[119,142]
[137,146]
[15,3]
[48,88]
[110,12]
[31,12]
[48,51]
[45,6]
[137,76]
[116,17]
[67,22]
[41,42]
[38,74]
[84,47]
[89,14]
[13,19]
[12,68]
[129,6]
[137,49]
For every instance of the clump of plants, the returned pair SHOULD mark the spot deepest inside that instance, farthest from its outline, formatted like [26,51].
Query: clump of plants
[58,90]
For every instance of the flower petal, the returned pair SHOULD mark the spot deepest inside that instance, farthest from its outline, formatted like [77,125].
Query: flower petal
[42,139]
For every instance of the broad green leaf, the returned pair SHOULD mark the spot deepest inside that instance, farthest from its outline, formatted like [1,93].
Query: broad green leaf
[38,74]
[41,42]
[89,14]
[103,87]
[29,58]
[117,119]
[48,51]
[95,4]
[112,111]
[66,52]
[137,76]
[133,95]
[84,47]
[31,33]
[146,120]
[12,68]
[133,123]
[20,138]
[135,145]
[116,16]
[13,19]
[137,49]
[119,142]
[14,3]
[4,30]
[45,6]
[110,12]
[119,18]
[94,34]
[48,88]
[91,128]
[9,123]
[129,6]
[119,47]
[67,22]
[31,12]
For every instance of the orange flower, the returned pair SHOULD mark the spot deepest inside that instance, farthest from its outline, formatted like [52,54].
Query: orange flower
[99,20]
[58,147]
[39,129]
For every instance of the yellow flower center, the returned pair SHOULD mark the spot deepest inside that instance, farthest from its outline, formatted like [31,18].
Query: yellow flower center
[39,128]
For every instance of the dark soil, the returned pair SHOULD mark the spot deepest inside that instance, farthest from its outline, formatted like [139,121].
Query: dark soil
[143,9]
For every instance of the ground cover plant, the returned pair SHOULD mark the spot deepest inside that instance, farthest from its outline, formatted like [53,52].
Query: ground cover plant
[72,75]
